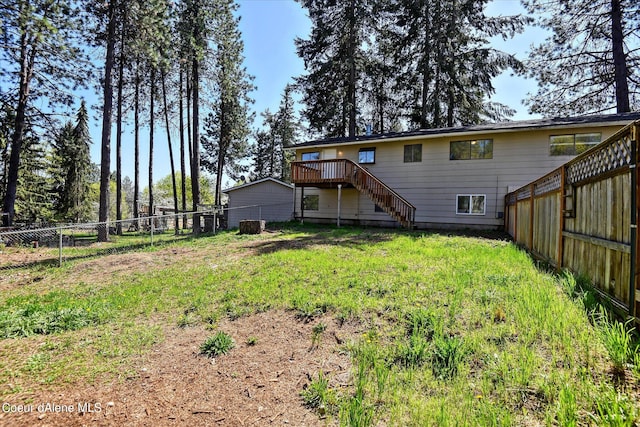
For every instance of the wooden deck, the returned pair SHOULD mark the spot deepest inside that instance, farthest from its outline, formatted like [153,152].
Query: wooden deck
[331,173]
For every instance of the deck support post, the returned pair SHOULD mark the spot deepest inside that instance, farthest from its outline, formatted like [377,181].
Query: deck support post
[302,205]
[339,202]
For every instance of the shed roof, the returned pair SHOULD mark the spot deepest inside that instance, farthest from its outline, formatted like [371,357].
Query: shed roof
[260,181]
[511,126]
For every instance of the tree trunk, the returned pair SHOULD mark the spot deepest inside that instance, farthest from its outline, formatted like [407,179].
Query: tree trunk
[105,161]
[351,91]
[619,60]
[195,164]
[173,170]
[119,126]
[426,68]
[222,153]
[151,130]
[136,143]
[26,72]
[183,177]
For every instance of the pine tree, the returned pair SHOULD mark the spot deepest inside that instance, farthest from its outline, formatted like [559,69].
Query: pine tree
[33,201]
[447,62]
[280,130]
[70,169]
[40,57]
[333,57]
[589,63]
[227,127]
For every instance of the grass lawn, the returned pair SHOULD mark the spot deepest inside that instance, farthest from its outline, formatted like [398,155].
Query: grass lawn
[455,330]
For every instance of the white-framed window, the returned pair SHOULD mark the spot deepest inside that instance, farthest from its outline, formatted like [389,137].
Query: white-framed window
[573,144]
[367,156]
[314,155]
[471,204]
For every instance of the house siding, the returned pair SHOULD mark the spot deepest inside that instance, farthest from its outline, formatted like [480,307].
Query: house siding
[267,200]
[432,184]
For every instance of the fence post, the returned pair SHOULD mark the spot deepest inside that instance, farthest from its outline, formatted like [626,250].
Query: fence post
[531,222]
[561,219]
[60,247]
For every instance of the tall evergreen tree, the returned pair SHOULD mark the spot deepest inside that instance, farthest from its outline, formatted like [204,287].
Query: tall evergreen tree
[71,168]
[40,56]
[333,58]
[448,64]
[228,126]
[280,130]
[590,62]
[33,201]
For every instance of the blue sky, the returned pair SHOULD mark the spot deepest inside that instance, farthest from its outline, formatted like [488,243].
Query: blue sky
[269,28]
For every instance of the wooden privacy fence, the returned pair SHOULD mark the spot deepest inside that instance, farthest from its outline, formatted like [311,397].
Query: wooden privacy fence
[583,216]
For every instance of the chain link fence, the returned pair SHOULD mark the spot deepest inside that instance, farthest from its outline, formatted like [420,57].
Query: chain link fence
[55,244]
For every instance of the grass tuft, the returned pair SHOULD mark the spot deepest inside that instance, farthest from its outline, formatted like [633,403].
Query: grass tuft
[218,344]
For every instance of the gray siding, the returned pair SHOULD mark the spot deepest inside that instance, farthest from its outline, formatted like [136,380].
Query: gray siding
[265,200]
[432,185]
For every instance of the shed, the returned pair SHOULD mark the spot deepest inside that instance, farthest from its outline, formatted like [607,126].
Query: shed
[268,199]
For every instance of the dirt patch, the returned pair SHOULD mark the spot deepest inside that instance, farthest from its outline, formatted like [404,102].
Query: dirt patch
[175,385]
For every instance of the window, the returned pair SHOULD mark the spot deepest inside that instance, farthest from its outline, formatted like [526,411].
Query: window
[367,155]
[311,202]
[470,204]
[413,153]
[315,155]
[571,145]
[471,150]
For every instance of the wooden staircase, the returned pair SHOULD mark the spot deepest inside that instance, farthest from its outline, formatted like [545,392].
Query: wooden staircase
[329,173]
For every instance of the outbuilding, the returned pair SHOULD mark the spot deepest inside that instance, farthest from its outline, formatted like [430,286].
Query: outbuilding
[267,199]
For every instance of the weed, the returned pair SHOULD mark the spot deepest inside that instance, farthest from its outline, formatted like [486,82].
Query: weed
[382,376]
[220,343]
[614,409]
[422,322]
[414,353]
[316,334]
[567,408]
[187,319]
[448,354]
[252,340]
[356,413]
[317,395]
[37,362]
[617,339]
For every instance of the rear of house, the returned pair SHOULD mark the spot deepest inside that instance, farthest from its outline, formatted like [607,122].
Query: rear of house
[437,178]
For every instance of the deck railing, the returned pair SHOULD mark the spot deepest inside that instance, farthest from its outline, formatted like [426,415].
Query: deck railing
[345,171]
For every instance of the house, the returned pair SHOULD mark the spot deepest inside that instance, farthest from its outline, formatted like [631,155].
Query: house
[268,199]
[437,178]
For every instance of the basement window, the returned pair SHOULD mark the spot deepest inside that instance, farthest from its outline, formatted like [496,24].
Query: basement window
[572,145]
[471,204]
[367,156]
[311,202]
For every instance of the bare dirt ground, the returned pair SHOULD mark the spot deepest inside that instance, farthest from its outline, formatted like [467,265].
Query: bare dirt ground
[175,385]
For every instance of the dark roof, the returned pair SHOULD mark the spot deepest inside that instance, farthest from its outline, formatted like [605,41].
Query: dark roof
[600,119]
